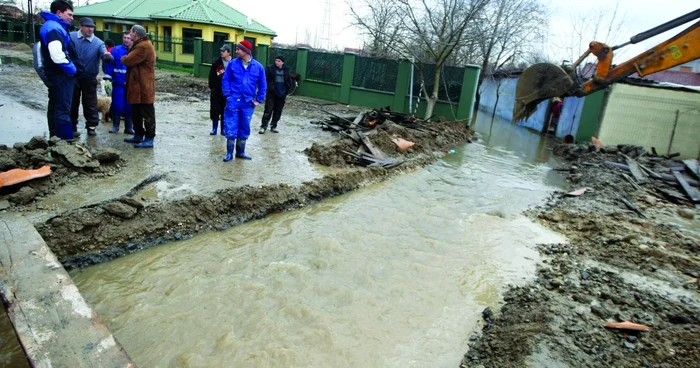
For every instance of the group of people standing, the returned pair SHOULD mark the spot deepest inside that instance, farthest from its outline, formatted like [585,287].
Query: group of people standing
[237,87]
[69,68]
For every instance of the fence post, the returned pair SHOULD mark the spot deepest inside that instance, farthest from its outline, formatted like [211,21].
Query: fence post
[348,74]
[468,95]
[261,54]
[403,79]
[302,61]
[197,56]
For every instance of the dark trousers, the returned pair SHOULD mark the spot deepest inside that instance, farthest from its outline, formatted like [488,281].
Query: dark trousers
[49,114]
[87,88]
[60,97]
[144,116]
[273,109]
[217,106]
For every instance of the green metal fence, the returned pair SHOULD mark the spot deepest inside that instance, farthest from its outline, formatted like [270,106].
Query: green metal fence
[325,67]
[289,55]
[451,77]
[374,73]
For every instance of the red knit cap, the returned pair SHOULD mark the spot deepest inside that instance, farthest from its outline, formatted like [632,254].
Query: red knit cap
[245,46]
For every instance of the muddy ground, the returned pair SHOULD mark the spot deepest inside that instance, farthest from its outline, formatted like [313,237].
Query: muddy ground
[618,266]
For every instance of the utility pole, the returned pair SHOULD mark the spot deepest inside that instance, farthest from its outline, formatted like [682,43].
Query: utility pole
[30,21]
[326,27]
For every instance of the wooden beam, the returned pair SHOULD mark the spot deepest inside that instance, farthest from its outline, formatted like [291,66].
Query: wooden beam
[692,193]
[54,324]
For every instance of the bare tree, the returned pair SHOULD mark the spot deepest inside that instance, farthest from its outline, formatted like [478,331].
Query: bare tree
[430,33]
[371,16]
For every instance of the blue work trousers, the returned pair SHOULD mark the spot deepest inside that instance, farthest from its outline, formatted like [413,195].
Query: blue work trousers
[237,117]
[61,92]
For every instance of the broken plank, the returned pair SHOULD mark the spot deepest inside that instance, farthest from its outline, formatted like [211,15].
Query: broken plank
[692,193]
[631,206]
[693,167]
[53,323]
[371,147]
[636,171]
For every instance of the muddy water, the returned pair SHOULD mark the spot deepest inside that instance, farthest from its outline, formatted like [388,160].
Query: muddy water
[392,275]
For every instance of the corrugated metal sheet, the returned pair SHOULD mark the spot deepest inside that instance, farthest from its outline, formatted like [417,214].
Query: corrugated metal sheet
[646,117]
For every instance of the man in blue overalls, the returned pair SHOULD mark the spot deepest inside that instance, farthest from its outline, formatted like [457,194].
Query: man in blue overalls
[116,72]
[244,87]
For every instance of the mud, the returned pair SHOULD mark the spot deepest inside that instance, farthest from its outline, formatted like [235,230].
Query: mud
[68,163]
[617,266]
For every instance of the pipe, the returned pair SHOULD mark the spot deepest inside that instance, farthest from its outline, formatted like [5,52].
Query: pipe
[683,19]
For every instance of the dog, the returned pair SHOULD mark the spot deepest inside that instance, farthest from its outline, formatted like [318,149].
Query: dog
[103,106]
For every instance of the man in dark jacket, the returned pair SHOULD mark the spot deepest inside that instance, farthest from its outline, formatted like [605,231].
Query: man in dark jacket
[279,82]
[218,101]
[57,51]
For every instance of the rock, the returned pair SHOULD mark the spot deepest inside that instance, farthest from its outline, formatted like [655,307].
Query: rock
[582,310]
[609,149]
[37,142]
[54,140]
[18,146]
[557,282]
[74,157]
[7,163]
[474,337]
[3,147]
[575,178]
[24,196]
[4,204]
[680,319]
[687,213]
[585,275]
[643,247]
[629,345]
[106,155]
[132,202]
[178,236]
[120,210]
[651,200]
[631,338]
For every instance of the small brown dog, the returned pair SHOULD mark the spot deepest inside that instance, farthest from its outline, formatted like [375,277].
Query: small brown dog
[103,105]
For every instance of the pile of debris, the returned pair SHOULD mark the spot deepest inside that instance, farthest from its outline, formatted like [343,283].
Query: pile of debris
[360,128]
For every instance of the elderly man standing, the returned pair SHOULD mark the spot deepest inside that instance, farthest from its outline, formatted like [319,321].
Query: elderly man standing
[90,50]
[244,87]
[141,87]
[115,72]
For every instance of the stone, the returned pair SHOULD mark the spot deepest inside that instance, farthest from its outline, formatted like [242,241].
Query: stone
[582,310]
[23,196]
[609,149]
[120,210]
[4,204]
[6,162]
[132,202]
[631,338]
[74,156]
[686,213]
[557,282]
[18,146]
[643,247]
[651,200]
[37,142]
[106,155]
[629,345]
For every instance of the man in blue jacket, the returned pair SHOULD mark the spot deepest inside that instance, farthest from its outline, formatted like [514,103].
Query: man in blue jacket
[58,66]
[244,87]
[90,50]
[115,72]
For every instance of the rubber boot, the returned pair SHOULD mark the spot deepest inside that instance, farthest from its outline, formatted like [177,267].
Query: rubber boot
[240,149]
[147,143]
[222,127]
[134,139]
[115,123]
[128,125]
[214,125]
[229,149]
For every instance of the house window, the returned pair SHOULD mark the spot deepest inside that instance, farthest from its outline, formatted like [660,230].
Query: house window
[167,38]
[188,35]
[220,38]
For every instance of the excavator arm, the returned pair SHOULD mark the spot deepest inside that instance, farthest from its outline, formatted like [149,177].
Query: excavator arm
[544,81]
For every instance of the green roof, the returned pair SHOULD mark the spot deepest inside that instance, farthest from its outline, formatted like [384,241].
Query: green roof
[194,11]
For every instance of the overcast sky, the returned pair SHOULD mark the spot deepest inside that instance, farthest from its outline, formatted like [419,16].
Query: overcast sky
[293,19]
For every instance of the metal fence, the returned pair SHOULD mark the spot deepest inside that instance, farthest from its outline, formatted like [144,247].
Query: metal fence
[325,67]
[451,77]
[374,73]
[289,55]
[174,52]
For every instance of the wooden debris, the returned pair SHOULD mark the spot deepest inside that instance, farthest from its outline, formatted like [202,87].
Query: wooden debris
[693,167]
[692,193]
[636,171]
[631,206]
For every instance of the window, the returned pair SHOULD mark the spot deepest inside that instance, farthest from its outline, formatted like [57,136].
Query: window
[167,38]
[188,35]
[220,38]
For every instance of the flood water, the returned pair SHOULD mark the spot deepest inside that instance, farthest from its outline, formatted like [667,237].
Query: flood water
[393,275]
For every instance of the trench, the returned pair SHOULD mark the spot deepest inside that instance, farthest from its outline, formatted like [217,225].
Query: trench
[394,274]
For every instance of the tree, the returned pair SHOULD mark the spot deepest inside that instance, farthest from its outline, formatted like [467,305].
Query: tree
[430,32]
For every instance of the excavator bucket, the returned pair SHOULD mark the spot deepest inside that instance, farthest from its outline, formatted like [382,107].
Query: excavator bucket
[538,83]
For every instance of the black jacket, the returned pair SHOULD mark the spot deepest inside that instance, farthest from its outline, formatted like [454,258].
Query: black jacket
[270,75]
[216,73]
